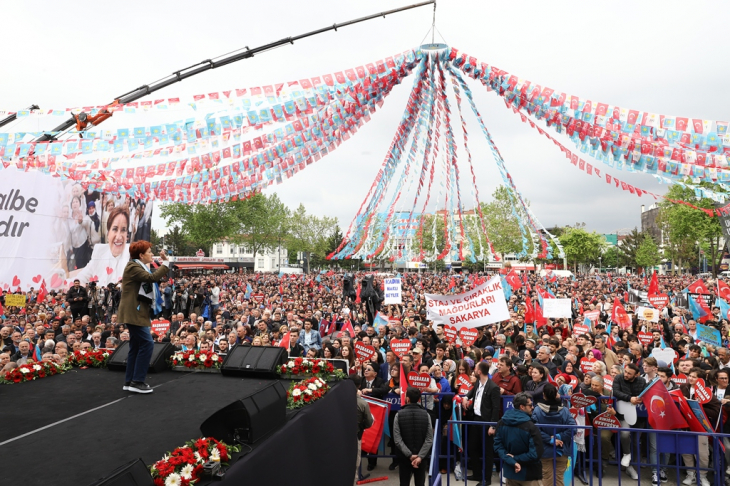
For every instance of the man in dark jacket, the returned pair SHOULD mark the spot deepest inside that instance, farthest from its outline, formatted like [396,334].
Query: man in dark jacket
[78,300]
[627,388]
[483,403]
[413,437]
[712,409]
[518,444]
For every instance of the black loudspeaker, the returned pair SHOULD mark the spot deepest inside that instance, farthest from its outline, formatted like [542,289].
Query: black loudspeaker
[254,361]
[158,362]
[249,419]
[367,288]
[134,473]
[348,287]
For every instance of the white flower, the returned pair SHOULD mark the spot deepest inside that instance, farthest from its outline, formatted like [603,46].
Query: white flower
[312,386]
[173,480]
[305,363]
[214,357]
[215,456]
[290,364]
[82,352]
[24,370]
[191,358]
[296,392]
[187,471]
[198,457]
[308,392]
[36,367]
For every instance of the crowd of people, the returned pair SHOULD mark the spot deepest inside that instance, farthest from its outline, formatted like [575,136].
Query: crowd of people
[539,362]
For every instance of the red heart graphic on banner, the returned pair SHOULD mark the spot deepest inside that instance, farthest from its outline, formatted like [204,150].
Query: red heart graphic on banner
[419,380]
[364,351]
[468,336]
[606,420]
[586,364]
[37,279]
[659,301]
[16,281]
[94,279]
[702,393]
[400,347]
[645,338]
[56,281]
[450,332]
[109,270]
[464,383]
[581,401]
[6,286]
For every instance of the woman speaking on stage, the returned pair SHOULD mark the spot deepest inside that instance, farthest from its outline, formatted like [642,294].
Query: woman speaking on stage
[140,300]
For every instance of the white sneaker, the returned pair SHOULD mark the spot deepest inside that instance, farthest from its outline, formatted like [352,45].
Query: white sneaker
[632,472]
[704,481]
[626,460]
[727,471]
[690,479]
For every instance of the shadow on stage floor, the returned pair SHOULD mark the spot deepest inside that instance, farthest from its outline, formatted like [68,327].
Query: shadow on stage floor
[79,426]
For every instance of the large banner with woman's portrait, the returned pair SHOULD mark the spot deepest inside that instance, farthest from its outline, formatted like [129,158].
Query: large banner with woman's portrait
[55,231]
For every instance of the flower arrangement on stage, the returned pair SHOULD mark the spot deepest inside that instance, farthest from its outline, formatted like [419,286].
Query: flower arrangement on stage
[184,465]
[196,359]
[310,367]
[31,371]
[305,392]
[93,357]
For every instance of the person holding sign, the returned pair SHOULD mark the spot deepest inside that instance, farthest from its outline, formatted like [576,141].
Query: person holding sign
[695,379]
[626,388]
[483,403]
[140,299]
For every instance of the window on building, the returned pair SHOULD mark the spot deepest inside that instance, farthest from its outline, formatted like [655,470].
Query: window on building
[219,249]
[233,250]
[273,263]
[261,263]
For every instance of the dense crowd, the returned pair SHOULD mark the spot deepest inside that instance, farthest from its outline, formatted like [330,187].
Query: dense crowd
[309,315]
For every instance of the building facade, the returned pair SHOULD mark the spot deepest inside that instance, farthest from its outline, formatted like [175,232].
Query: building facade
[240,257]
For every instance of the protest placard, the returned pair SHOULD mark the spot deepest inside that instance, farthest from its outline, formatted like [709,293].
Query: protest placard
[14,300]
[556,308]
[706,334]
[484,304]
[392,291]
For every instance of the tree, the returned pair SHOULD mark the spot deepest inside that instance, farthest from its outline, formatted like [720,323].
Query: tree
[202,224]
[177,244]
[629,246]
[502,227]
[260,223]
[647,256]
[687,226]
[610,257]
[582,247]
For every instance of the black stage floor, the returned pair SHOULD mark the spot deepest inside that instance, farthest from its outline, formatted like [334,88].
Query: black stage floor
[74,428]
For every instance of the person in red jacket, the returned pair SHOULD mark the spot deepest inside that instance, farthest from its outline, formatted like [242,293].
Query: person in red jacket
[507,382]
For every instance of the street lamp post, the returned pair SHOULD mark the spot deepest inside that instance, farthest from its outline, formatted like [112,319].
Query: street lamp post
[599,264]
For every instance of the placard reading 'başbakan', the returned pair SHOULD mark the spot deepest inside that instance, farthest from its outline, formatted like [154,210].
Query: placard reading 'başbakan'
[484,304]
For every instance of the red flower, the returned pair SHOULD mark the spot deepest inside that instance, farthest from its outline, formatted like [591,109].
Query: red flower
[208,363]
[16,379]
[197,470]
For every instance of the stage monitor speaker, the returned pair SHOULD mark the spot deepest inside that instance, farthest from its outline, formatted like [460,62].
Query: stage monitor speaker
[134,473]
[158,362]
[254,361]
[249,419]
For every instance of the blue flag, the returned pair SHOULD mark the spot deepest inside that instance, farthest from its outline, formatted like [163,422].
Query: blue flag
[248,291]
[379,321]
[724,308]
[697,311]
[507,288]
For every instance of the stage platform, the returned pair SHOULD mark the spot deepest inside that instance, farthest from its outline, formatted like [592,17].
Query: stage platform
[75,428]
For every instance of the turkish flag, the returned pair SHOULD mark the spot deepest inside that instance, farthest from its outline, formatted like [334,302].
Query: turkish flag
[698,287]
[663,413]
[694,423]
[654,285]
[723,290]
[541,321]
[619,315]
[514,280]
[529,311]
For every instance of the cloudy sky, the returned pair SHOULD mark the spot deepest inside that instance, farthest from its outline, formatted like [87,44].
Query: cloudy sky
[659,56]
